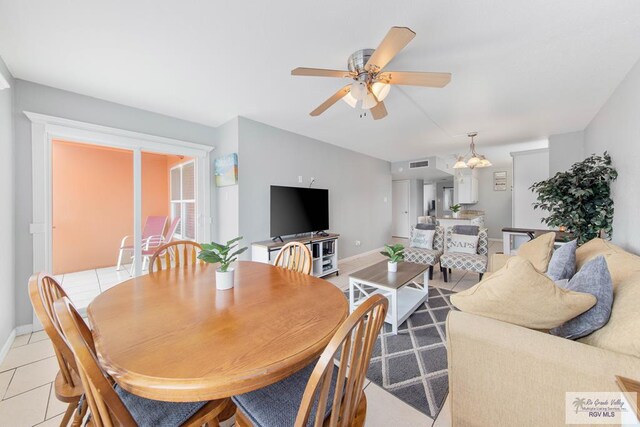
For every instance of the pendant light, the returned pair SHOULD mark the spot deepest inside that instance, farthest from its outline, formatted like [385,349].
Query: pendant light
[476,160]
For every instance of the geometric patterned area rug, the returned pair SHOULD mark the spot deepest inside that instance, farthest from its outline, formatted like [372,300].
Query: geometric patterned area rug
[413,364]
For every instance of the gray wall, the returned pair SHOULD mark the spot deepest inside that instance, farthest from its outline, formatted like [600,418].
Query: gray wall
[226,198]
[416,200]
[358,184]
[616,129]
[55,102]
[565,150]
[495,204]
[7,199]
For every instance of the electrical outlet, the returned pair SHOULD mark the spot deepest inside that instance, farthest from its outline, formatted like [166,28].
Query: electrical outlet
[358,243]
[385,200]
[300,179]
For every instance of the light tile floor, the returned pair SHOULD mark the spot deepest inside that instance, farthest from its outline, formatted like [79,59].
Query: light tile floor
[27,373]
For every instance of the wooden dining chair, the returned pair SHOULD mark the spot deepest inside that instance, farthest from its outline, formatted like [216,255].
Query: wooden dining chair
[295,256]
[111,405]
[183,252]
[44,290]
[336,394]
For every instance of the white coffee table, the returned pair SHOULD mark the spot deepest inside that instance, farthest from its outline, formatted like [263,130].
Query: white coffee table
[404,293]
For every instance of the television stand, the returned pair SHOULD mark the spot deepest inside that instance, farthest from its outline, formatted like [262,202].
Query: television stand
[324,251]
[275,239]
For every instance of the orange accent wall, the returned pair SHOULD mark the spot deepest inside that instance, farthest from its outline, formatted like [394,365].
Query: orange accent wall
[93,202]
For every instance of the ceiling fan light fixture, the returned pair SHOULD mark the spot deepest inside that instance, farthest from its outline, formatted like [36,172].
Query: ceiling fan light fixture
[350,100]
[369,102]
[359,90]
[380,90]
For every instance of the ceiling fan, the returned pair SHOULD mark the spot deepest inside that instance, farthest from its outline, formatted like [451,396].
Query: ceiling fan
[371,84]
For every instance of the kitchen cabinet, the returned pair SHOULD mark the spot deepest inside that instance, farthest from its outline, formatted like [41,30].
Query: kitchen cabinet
[467,187]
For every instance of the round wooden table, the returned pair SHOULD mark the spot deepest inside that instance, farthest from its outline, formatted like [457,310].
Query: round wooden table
[172,336]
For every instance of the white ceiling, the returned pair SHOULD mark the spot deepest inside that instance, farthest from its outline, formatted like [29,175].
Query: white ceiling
[522,69]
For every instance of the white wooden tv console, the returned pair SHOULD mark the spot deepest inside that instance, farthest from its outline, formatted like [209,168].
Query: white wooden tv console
[324,250]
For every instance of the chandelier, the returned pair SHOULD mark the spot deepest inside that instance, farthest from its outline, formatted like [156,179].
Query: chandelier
[475,161]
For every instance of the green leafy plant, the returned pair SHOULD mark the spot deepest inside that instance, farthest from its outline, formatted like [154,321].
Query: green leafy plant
[216,252]
[580,198]
[455,208]
[395,253]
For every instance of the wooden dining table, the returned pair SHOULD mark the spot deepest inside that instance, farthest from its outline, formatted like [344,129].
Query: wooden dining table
[172,336]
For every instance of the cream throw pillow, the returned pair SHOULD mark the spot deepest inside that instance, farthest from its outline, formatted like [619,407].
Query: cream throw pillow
[621,263]
[520,295]
[538,251]
[620,334]
[421,238]
[463,244]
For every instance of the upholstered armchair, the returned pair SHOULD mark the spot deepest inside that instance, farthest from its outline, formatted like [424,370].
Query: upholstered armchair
[429,257]
[476,263]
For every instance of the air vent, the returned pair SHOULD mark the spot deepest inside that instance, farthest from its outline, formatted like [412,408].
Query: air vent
[420,164]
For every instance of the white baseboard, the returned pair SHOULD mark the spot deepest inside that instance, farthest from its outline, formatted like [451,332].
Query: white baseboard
[24,329]
[351,258]
[7,345]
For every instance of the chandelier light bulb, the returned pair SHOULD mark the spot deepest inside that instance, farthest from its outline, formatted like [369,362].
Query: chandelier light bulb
[359,90]
[369,101]
[380,90]
[350,100]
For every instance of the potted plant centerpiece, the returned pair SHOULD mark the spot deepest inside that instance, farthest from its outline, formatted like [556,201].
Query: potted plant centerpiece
[395,254]
[455,209]
[218,253]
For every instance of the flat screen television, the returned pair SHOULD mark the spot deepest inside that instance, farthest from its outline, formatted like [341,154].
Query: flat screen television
[298,210]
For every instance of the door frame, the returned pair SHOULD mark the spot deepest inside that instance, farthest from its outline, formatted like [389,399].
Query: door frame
[408,184]
[44,129]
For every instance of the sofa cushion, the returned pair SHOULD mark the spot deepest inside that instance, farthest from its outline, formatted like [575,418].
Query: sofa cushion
[593,278]
[519,294]
[538,251]
[563,262]
[422,256]
[621,263]
[620,334]
[421,238]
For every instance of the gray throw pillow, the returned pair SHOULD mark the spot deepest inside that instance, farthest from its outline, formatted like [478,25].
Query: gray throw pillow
[467,230]
[593,278]
[426,226]
[563,262]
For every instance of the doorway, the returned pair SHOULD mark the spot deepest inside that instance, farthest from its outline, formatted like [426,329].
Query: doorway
[140,155]
[400,208]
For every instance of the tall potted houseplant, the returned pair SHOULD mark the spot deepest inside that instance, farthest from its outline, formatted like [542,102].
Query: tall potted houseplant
[579,199]
[395,253]
[222,253]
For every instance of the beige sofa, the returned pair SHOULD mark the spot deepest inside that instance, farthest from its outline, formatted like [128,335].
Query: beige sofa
[502,374]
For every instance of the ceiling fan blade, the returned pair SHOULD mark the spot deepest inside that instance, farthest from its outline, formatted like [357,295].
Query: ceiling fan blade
[395,40]
[332,100]
[379,111]
[412,78]
[319,72]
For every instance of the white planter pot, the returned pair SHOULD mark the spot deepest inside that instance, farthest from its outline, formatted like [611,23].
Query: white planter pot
[456,214]
[224,279]
[392,266]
